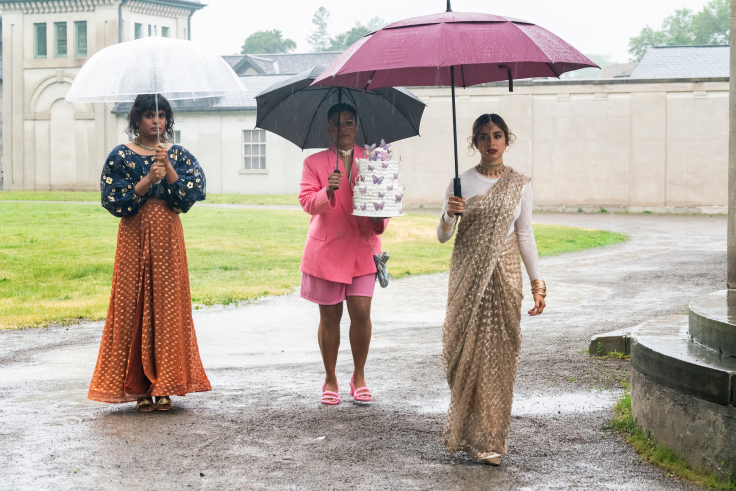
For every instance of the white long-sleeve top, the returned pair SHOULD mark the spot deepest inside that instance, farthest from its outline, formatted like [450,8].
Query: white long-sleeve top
[474,183]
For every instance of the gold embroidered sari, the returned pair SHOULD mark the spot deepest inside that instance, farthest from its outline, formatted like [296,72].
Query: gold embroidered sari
[481,336]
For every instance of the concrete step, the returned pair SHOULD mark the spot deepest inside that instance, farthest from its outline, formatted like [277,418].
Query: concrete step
[662,350]
[713,321]
[611,342]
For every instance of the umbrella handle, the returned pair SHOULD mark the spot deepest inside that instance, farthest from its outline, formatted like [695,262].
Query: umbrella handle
[458,191]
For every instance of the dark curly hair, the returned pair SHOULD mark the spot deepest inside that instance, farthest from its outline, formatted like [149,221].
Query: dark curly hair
[488,120]
[147,102]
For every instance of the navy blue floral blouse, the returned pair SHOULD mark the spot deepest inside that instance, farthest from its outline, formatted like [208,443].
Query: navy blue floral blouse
[124,169]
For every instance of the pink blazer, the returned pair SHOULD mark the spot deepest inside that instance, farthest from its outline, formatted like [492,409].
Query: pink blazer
[336,247]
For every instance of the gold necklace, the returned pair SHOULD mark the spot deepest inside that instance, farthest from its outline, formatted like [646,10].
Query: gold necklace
[138,142]
[489,169]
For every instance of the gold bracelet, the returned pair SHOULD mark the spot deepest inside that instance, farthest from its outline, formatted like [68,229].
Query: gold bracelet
[446,227]
[539,287]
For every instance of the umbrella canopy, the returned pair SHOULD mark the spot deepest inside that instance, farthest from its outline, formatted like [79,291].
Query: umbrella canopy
[294,110]
[174,68]
[452,48]
[483,48]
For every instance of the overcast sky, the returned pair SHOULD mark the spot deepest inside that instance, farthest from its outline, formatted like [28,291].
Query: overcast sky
[592,26]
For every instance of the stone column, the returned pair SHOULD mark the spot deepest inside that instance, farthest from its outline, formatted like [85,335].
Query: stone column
[731,254]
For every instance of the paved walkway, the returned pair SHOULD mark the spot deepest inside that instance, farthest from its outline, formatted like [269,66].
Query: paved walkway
[263,428]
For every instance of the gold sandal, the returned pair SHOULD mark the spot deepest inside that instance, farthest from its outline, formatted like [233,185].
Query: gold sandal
[145,405]
[491,459]
[163,403]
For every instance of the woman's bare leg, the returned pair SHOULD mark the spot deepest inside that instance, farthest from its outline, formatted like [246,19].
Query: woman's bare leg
[359,309]
[328,336]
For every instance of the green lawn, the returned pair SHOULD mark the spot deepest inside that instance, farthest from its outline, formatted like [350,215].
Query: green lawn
[56,259]
[94,196]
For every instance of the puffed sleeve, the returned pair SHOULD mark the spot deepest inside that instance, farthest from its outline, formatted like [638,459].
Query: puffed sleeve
[117,187]
[191,185]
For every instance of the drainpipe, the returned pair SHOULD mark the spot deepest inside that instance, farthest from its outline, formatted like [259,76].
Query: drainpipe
[189,25]
[120,20]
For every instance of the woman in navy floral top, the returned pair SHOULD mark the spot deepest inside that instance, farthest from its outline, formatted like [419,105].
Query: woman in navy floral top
[149,347]
[125,168]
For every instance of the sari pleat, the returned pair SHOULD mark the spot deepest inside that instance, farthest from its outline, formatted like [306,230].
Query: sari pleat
[149,346]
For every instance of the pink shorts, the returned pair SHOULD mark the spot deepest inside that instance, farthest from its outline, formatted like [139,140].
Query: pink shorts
[326,292]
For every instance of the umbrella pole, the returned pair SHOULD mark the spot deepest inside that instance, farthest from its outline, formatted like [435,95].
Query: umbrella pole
[458,189]
[339,127]
[158,131]
[337,135]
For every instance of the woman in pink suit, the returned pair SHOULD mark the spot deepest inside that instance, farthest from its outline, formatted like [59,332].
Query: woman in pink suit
[337,264]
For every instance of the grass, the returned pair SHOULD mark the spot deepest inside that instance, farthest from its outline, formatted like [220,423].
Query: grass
[94,197]
[649,451]
[56,260]
[602,353]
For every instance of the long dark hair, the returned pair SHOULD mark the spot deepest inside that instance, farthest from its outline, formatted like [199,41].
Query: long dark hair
[147,102]
[488,120]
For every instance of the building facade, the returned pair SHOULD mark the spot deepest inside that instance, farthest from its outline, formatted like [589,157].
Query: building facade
[48,143]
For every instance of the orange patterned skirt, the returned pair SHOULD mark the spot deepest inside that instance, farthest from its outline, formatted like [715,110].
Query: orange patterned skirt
[149,347]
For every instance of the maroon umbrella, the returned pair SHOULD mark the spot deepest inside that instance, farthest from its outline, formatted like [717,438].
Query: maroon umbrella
[424,51]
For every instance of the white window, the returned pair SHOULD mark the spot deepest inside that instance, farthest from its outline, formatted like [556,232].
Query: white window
[177,136]
[138,31]
[164,32]
[254,149]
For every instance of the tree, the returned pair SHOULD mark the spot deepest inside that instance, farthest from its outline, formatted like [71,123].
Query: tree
[267,42]
[638,45]
[712,24]
[344,40]
[679,28]
[319,40]
[709,26]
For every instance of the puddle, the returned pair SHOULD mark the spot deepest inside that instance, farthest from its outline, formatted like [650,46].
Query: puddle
[579,402]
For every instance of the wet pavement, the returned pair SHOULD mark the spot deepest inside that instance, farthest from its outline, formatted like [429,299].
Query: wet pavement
[262,426]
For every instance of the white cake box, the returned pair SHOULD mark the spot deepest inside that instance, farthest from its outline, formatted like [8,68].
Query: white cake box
[377,193]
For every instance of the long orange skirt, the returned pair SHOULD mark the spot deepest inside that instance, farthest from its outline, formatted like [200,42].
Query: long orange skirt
[149,347]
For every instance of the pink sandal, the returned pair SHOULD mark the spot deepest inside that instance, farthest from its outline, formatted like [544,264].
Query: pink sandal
[360,395]
[330,398]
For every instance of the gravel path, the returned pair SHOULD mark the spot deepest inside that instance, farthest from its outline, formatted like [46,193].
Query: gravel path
[263,428]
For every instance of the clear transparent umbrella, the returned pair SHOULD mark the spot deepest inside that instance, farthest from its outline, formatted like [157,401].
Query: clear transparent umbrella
[174,68]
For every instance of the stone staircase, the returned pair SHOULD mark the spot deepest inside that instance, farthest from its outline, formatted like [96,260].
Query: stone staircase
[683,383]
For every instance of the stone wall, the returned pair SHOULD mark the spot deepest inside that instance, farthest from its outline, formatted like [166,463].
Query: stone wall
[701,432]
[657,145]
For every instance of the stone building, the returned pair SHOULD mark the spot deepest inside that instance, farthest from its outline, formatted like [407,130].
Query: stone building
[50,144]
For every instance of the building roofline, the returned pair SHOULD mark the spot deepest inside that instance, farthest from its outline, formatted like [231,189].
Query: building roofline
[693,46]
[518,83]
[186,4]
[599,81]
[289,54]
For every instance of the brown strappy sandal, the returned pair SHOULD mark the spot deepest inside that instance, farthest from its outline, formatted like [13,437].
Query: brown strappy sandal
[163,403]
[145,405]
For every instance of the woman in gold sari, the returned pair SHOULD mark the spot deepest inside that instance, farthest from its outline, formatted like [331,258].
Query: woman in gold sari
[481,336]
[149,347]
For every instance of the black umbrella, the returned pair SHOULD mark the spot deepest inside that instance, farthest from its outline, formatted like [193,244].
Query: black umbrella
[295,111]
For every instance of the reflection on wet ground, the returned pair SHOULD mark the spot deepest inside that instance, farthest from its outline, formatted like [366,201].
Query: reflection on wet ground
[261,425]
